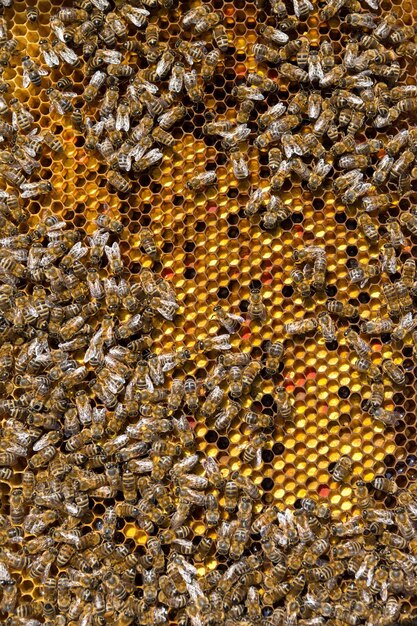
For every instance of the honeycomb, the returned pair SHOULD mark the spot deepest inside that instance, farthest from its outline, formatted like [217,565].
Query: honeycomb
[212,253]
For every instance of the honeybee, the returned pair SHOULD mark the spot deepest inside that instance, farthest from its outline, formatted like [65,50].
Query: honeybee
[326,327]
[239,164]
[409,220]
[212,402]
[319,173]
[191,51]
[192,15]
[201,181]
[377,326]
[21,117]
[275,352]
[388,259]
[192,87]
[118,182]
[406,325]
[342,469]
[393,371]
[276,212]
[385,484]
[220,38]
[391,297]
[256,308]
[408,272]
[190,393]
[245,109]
[341,309]
[300,327]
[230,321]
[32,73]
[257,421]
[274,35]
[60,101]
[368,227]
[301,280]
[17,507]
[32,190]
[283,403]
[363,273]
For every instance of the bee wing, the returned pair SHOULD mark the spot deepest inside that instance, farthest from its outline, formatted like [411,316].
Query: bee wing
[94,349]
[407,321]
[26,79]
[238,318]
[122,120]
[50,58]
[136,15]
[99,238]
[111,56]
[68,55]
[4,574]
[101,5]
[315,70]
[297,7]
[29,190]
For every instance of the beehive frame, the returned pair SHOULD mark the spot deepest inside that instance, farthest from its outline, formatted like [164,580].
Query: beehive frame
[212,253]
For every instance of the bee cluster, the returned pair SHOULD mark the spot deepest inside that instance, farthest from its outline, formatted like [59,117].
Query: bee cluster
[111,511]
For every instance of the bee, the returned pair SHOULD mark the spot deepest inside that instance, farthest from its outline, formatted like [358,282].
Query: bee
[326,327]
[319,173]
[256,200]
[406,325]
[97,80]
[220,37]
[231,495]
[229,321]
[300,327]
[391,297]
[364,365]
[388,259]
[357,344]
[401,166]
[276,212]
[257,421]
[192,15]
[404,523]
[408,272]
[301,280]
[52,141]
[409,221]
[393,371]
[239,164]
[377,326]
[32,73]
[32,190]
[212,401]
[191,51]
[17,507]
[342,469]
[385,484]
[202,181]
[21,117]
[368,227]
[211,508]
[254,448]
[256,308]
[238,541]
[342,309]
[118,182]
[363,273]
[275,353]
[282,400]
[274,35]
[225,417]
